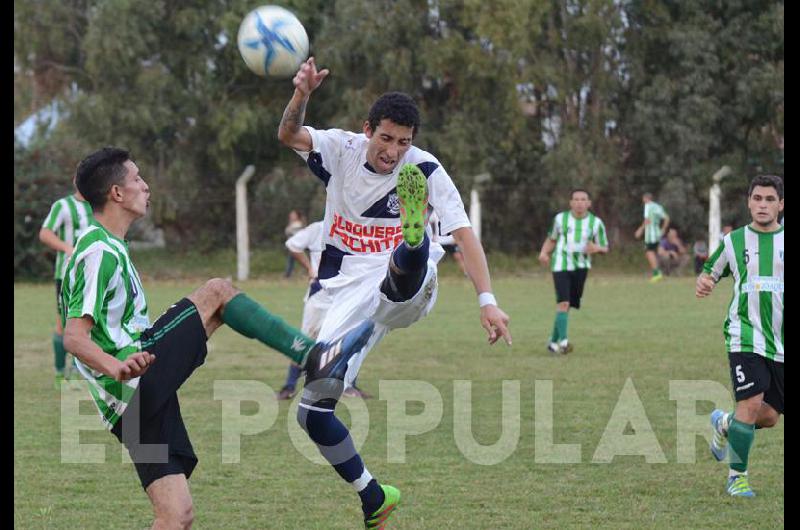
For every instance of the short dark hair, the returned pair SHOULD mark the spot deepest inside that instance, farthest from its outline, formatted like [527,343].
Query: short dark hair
[770,181]
[395,106]
[98,172]
[647,195]
[580,190]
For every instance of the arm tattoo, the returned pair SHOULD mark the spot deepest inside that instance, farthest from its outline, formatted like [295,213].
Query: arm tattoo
[293,117]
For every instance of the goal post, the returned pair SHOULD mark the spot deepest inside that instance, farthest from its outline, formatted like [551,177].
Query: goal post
[714,212]
[242,238]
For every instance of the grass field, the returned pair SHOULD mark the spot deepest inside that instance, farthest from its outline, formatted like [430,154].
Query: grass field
[652,334]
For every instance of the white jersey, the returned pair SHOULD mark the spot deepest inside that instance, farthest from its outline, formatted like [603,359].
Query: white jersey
[440,237]
[310,239]
[362,211]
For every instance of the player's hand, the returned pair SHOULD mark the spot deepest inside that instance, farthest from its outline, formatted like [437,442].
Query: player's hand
[592,248]
[307,78]
[544,258]
[639,232]
[134,366]
[495,322]
[704,285]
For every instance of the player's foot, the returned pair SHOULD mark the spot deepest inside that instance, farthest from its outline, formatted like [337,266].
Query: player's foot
[739,486]
[656,278]
[412,190]
[565,346]
[287,392]
[719,438]
[354,391]
[553,347]
[380,517]
[58,380]
[328,360]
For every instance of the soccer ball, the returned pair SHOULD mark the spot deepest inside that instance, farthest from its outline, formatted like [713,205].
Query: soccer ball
[272,41]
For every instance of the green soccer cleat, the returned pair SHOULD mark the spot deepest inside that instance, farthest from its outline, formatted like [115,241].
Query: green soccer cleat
[381,516]
[412,190]
[739,486]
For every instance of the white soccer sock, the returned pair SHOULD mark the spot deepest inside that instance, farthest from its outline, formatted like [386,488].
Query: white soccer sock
[361,482]
[733,473]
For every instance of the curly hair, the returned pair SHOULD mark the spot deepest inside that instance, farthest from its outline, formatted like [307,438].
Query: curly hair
[397,107]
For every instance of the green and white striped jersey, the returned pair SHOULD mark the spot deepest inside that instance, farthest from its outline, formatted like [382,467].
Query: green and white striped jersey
[68,217]
[655,213]
[571,236]
[101,282]
[755,316]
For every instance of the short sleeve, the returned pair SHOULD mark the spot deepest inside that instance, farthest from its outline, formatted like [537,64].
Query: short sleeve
[95,272]
[600,233]
[446,200]
[326,151]
[555,230]
[54,219]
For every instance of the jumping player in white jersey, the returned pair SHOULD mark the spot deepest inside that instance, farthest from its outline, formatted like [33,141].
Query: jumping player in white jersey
[753,329]
[378,261]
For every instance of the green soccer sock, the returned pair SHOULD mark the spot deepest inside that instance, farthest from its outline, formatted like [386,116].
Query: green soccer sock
[561,325]
[656,271]
[554,334]
[249,318]
[60,353]
[740,439]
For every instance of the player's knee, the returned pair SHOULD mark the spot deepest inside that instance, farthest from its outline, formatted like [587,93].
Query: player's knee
[563,307]
[770,419]
[221,289]
[179,516]
[747,411]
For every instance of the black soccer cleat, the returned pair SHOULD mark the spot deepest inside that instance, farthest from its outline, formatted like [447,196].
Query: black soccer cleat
[328,360]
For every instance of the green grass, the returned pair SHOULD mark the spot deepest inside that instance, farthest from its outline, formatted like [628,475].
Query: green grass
[651,334]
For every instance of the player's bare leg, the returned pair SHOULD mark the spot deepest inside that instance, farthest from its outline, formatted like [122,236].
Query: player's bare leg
[172,503]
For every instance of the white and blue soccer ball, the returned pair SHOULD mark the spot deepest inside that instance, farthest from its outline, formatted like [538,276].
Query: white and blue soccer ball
[272,41]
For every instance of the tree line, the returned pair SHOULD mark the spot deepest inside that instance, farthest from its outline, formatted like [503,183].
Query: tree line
[520,99]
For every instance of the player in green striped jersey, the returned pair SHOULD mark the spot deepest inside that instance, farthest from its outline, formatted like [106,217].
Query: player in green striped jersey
[753,329]
[134,369]
[576,235]
[653,227]
[68,217]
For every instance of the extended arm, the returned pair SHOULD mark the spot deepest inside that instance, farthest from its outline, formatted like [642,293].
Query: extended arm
[493,319]
[290,131]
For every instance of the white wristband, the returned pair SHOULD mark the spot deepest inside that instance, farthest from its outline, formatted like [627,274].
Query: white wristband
[486,299]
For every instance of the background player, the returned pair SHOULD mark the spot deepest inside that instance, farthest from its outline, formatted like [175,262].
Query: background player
[654,225]
[68,217]
[753,329]
[576,235]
